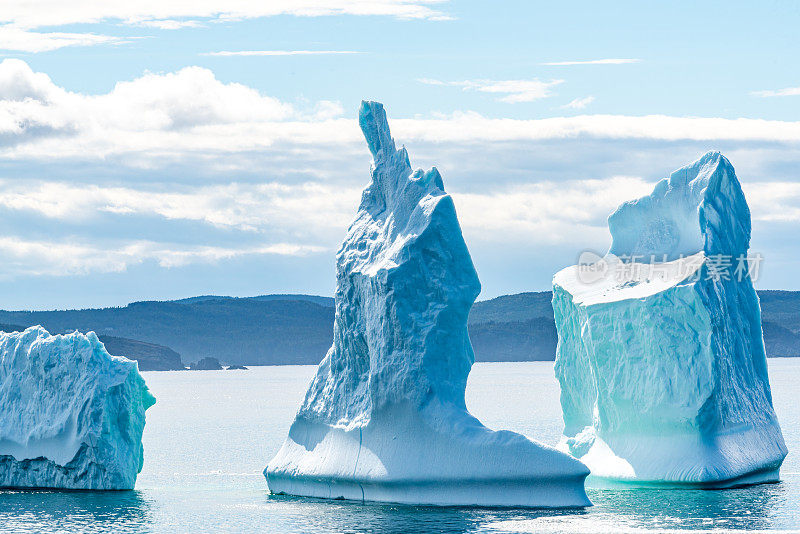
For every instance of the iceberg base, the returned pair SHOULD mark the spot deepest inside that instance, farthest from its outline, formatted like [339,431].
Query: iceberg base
[83,472]
[532,493]
[439,457]
[766,476]
[736,458]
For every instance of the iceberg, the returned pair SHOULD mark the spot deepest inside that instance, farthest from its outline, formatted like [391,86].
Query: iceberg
[660,354]
[385,418]
[71,415]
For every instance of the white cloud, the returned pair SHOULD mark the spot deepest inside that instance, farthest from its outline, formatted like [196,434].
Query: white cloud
[514,90]
[56,12]
[189,115]
[610,61]
[431,81]
[789,91]
[543,214]
[473,127]
[565,214]
[538,214]
[169,24]
[579,103]
[22,40]
[168,157]
[547,213]
[225,53]
[774,201]
[172,257]
[64,258]
[246,207]
[19,19]
[191,97]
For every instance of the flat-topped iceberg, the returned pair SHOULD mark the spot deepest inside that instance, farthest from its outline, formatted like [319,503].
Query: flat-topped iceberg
[71,415]
[660,355]
[385,417]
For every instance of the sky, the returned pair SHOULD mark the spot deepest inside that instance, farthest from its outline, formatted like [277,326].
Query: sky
[155,150]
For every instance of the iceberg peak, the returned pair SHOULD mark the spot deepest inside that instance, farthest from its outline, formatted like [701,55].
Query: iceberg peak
[375,126]
[699,208]
[394,187]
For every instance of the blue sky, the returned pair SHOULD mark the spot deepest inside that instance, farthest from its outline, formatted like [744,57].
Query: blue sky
[167,149]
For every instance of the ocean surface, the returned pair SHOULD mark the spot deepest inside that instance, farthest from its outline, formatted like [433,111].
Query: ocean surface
[211,434]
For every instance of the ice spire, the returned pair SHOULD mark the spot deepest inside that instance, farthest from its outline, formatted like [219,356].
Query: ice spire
[385,417]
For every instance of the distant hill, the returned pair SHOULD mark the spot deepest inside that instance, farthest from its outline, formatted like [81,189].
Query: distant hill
[510,308]
[244,331]
[151,357]
[780,314]
[328,302]
[514,328]
[11,328]
[298,329]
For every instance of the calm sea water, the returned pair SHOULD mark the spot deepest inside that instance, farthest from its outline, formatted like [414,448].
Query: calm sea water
[212,432]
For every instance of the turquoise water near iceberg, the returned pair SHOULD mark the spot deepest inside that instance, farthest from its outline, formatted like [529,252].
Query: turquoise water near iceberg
[211,433]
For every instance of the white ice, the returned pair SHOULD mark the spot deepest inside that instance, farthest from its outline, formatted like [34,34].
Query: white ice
[71,415]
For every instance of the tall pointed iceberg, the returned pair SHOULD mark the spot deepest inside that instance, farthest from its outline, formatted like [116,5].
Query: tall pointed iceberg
[660,355]
[385,417]
[71,415]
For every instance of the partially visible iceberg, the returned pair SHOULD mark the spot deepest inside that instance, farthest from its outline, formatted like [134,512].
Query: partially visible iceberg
[660,354]
[385,417]
[71,415]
